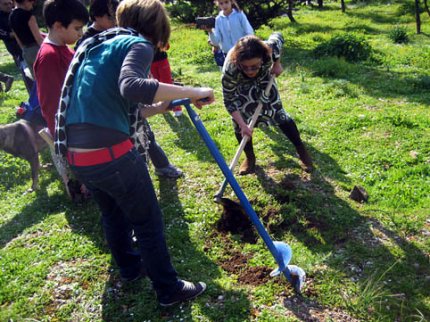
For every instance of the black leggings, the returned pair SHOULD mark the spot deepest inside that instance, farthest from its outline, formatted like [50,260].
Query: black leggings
[288,127]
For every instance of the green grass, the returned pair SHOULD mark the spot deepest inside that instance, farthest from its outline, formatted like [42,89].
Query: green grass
[365,124]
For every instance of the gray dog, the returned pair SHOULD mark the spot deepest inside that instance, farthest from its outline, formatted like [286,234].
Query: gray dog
[21,139]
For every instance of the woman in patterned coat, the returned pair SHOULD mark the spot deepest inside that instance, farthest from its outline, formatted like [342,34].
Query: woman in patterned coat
[246,74]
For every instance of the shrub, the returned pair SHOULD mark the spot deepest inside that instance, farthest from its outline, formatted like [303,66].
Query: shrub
[422,82]
[348,45]
[408,8]
[186,12]
[399,35]
[331,67]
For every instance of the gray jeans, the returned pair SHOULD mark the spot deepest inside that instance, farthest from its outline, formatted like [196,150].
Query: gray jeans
[29,54]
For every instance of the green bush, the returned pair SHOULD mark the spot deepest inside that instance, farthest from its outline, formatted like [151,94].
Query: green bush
[422,82]
[331,67]
[399,35]
[408,8]
[348,45]
[184,11]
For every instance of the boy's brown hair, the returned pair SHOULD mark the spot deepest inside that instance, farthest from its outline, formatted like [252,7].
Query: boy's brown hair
[250,47]
[148,17]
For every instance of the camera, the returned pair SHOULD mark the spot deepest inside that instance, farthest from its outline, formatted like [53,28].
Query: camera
[205,21]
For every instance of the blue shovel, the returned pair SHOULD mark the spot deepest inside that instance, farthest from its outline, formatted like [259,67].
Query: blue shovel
[280,250]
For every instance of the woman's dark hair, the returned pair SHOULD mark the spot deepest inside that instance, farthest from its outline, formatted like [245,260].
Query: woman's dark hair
[99,8]
[250,47]
[147,17]
[64,11]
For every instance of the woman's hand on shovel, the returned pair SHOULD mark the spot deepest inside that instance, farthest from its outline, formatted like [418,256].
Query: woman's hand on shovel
[245,130]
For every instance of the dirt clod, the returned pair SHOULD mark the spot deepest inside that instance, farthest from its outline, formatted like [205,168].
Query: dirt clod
[359,194]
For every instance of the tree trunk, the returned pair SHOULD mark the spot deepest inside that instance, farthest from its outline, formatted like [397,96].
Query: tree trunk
[426,6]
[290,11]
[320,4]
[342,5]
[417,16]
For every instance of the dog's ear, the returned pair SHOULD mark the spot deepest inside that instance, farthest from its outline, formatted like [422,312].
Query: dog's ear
[74,187]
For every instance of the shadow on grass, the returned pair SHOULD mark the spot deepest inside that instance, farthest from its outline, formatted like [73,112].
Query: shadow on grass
[38,209]
[135,302]
[376,17]
[187,136]
[354,245]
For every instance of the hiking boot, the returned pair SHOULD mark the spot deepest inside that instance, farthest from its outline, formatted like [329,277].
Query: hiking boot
[305,158]
[170,172]
[188,291]
[8,83]
[247,166]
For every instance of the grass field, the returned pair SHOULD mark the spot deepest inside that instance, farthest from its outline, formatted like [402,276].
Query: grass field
[365,123]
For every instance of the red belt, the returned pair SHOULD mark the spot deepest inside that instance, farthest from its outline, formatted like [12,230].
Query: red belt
[83,159]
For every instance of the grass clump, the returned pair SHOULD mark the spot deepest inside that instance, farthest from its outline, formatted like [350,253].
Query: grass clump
[350,46]
[331,67]
[399,35]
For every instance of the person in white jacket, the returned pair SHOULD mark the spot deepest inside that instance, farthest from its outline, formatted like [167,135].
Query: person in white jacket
[231,24]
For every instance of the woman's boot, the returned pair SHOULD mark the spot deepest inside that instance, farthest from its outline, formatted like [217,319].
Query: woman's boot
[248,165]
[305,158]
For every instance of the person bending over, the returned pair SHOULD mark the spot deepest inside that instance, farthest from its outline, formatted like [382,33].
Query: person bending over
[246,73]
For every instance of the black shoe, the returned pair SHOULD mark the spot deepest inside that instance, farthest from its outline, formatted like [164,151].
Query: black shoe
[187,292]
[8,83]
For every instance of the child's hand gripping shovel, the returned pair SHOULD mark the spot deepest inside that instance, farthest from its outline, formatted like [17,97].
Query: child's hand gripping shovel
[220,193]
[280,251]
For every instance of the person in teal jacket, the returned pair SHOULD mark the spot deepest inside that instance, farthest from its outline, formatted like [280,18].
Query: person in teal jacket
[107,78]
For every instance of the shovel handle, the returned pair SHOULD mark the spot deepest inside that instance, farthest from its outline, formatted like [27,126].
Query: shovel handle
[245,139]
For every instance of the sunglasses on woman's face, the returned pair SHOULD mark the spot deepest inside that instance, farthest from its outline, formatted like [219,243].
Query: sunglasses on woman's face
[251,68]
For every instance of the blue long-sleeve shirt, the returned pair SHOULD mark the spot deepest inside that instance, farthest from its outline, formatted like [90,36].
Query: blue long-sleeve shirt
[229,29]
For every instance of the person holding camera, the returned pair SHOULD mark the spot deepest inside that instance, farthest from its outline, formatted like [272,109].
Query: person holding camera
[231,24]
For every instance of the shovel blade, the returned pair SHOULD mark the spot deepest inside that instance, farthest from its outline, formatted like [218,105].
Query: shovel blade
[284,256]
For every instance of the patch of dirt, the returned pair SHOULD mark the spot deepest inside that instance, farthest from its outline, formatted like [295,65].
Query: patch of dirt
[237,264]
[256,275]
[236,221]
[288,184]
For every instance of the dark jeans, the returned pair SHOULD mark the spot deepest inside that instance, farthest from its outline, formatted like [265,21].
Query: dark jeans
[125,194]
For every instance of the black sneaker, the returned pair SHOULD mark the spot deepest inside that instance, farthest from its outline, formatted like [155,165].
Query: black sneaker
[187,292]
[8,83]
